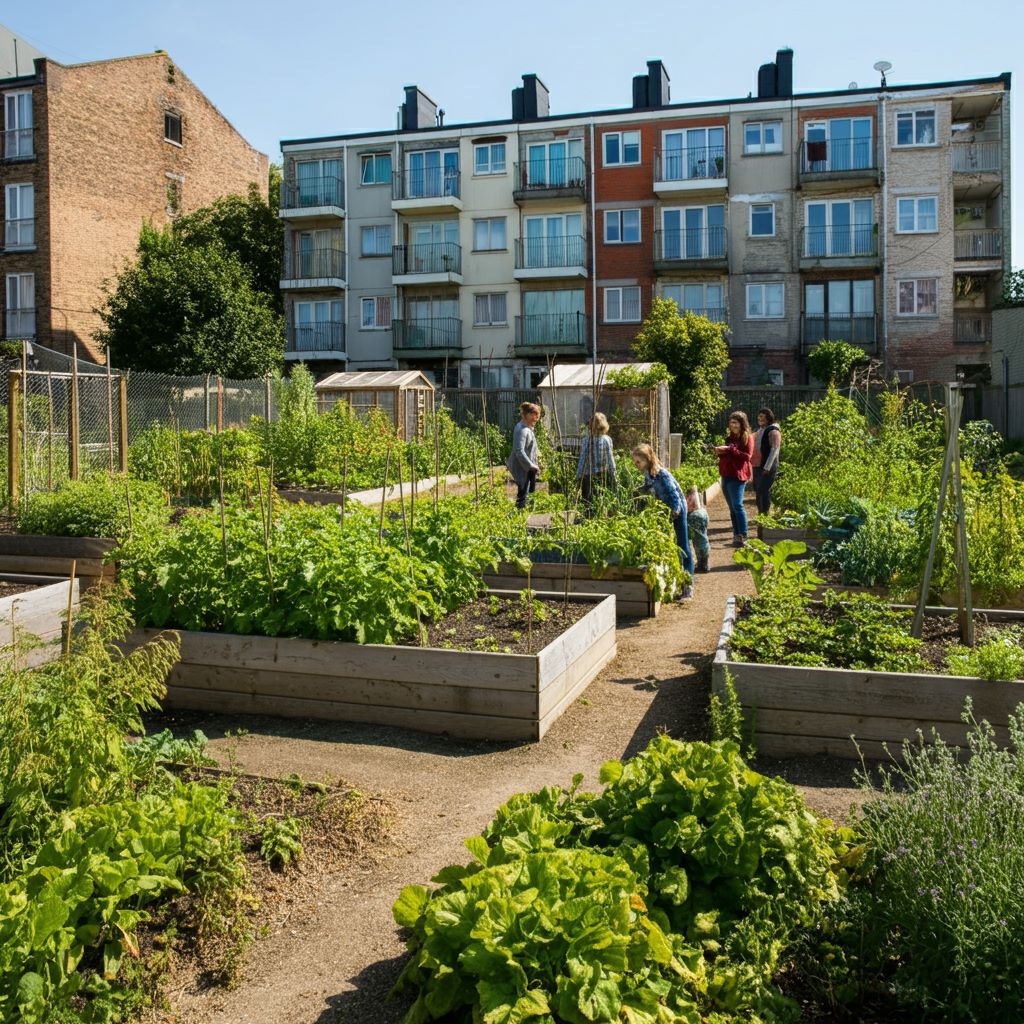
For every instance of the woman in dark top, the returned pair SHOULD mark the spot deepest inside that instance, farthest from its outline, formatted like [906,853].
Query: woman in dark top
[767,442]
[734,469]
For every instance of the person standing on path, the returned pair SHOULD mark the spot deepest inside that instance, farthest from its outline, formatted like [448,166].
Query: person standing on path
[523,461]
[765,461]
[596,466]
[734,468]
[662,484]
[697,524]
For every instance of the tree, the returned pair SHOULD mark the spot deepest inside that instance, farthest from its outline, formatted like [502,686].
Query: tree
[189,309]
[832,362]
[693,349]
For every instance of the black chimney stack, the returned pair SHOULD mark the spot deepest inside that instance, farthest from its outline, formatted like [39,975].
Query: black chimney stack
[784,72]
[531,100]
[418,110]
[651,91]
[766,81]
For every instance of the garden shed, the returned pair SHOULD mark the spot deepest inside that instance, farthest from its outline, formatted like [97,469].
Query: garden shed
[406,397]
[572,392]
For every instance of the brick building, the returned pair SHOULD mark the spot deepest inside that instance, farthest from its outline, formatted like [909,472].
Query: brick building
[879,216]
[89,153]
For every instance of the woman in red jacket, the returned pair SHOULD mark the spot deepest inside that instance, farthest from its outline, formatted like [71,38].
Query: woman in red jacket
[735,470]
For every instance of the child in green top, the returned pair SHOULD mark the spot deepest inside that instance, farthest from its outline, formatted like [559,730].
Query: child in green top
[697,522]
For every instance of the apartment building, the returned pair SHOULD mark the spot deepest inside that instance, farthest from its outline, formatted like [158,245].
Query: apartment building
[88,152]
[481,252]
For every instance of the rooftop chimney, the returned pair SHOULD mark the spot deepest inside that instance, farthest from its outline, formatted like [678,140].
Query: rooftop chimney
[418,110]
[766,75]
[651,91]
[530,100]
[775,80]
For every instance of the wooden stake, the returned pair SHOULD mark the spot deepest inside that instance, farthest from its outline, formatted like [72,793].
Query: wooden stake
[110,418]
[128,503]
[408,548]
[220,404]
[437,461]
[71,601]
[964,599]
[14,438]
[412,488]
[384,493]
[344,487]
[49,432]
[122,421]
[223,523]
[73,435]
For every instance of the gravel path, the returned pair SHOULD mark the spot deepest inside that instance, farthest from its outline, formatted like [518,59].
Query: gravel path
[337,955]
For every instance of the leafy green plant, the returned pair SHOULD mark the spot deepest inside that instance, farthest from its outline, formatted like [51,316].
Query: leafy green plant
[634,377]
[999,656]
[281,841]
[779,563]
[883,552]
[832,362]
[164,746]
[725,719]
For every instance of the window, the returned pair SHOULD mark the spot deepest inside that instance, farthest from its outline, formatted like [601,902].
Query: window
[776,378]
[621,148]
[693,153]
[553,318]
[841,144]
[622,226]
[555,164]
[376,315]
[318,182]
[318,253]
[919,297]
[491,377]
[375,240]
[21,306]
[489,234]
[762,137]
[839,311]
[765,301]
[19,216]
[17,124]
[431,173]
[703,299]
[693,233]
[918,214]
[842,227]
[490,310]
[762,219]
[319,326]
[376,169]
[172,128]
[622,305]
[553,241]
[489,158]
[915,128]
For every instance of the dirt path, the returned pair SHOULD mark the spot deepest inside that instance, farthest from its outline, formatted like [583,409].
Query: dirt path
[335,957]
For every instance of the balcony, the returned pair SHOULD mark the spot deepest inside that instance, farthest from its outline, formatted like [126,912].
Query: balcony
[313,268]
[547,258]
[427,263]
[20,324]
[18,144]
[541,334]
[552,178]
[717,314]
[696,169]
[857,329]
[435,190]
[838,245]
[322,196]
[314,342]
[976,157]
[981,248]
[682,249]
[838,163]
[972,327]
[433,338]
[20,233]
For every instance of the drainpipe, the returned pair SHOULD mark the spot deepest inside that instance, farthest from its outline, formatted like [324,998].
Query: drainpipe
[882,139]
[348,248]
[593,247]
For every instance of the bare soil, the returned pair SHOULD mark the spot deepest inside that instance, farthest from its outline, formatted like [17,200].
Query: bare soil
[340,953]
[8,589]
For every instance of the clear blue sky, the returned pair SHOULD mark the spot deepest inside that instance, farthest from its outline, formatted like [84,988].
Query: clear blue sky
[315,67]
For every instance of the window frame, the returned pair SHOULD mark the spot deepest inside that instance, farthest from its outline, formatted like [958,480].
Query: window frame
[780,382]
[916,229]
[489,146]
[917,282]
[490,231]
[169,117]
[621,289]
[750,221]
[11,311]
[913,115]
[371,159]
[763,285]
[15,188]
[377,300]
[703,285]
[761,148]
[622,161]
[363,254]
[610,216]
[490,296]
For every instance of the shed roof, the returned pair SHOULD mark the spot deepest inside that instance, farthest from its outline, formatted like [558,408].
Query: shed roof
[584,375]
[377,380]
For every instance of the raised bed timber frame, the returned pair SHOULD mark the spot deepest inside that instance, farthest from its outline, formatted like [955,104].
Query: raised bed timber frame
[466,694]
[39,613]
[52,556]
[795,710]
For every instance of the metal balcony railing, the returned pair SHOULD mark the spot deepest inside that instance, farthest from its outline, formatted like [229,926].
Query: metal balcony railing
[18,143]
[551,173]
[972,328]
[428,334]
[689,164]
[19,232]
[856,328]
[715,313]
[977,244]
[545,253]
[306,264]
[690,244]
[975,157]
[432,183]
[831,241]
[323,190]
[540,330]
[20,323]
[828,156]
[427,258]
[326,336]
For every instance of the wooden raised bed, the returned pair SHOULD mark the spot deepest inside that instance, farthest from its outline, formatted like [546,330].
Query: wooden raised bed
[796,711]
[469,694]
[39,613]
[632,595]
[52,556]
[773,534]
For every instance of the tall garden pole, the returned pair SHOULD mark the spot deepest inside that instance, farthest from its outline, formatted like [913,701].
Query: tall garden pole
[964,598]
[110,418]
[49,430]
[14,438]
[24,413]
[73,425]
[122,421]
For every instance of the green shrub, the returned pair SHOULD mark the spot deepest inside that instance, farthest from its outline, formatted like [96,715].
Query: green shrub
[999,656]
[281,841]
[881,553]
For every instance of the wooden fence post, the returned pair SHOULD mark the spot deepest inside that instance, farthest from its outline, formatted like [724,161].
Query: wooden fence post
[14,439]
[122,422]
[73,432]
[267,399]
[220,404]
[206,403]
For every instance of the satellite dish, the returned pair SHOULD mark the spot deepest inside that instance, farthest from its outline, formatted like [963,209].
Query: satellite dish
[883,66]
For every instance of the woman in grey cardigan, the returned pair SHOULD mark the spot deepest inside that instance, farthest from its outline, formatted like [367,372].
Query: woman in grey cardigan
[523,461]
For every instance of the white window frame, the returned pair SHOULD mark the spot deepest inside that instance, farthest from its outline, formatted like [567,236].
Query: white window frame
[491,321]
[13,225]
[916,229]
[372,158]
[761,147]
[776,378]
[917,282]
[491,169]
[13,126]
[12,312]
[376,229]
[622,161]
[750,221]
[181,128]
[379,302]
[613,216]
[620,292]
[490,221]
[913,115]
[763,286]
[703,285]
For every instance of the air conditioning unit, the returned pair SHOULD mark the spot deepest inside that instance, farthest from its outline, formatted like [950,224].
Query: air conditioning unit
[905,376]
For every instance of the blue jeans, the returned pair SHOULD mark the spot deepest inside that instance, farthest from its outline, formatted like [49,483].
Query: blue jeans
[526,489]
[733,490]
[683,540]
